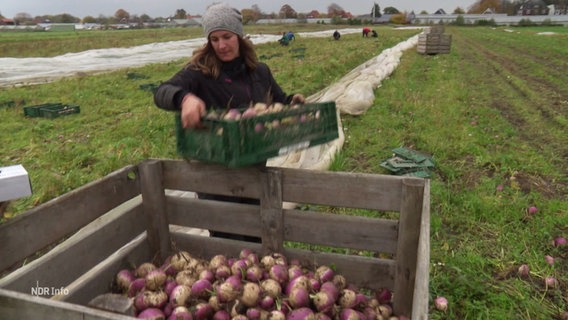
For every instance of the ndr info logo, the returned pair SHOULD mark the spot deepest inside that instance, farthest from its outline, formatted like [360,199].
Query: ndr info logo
[48,291]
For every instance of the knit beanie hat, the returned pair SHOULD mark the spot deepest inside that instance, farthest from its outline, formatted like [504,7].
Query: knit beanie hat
[222,17]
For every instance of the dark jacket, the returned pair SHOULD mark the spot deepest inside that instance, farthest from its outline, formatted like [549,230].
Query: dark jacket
[235,88]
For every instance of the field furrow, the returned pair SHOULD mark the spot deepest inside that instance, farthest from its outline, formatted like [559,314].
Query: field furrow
[538,109]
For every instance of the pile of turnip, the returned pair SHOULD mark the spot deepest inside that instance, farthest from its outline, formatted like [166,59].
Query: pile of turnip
[247,287]
[258,109]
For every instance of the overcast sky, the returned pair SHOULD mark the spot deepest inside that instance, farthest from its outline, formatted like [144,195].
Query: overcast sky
[164,8]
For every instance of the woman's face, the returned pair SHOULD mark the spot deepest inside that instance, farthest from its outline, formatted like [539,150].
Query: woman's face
[225,44]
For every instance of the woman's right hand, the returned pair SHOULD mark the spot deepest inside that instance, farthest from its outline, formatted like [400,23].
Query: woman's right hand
[192,109]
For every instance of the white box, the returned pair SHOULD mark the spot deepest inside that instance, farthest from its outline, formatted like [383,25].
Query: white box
[14,183]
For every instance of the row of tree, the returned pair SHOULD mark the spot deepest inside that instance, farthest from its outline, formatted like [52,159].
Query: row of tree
[121,16]
[254,13]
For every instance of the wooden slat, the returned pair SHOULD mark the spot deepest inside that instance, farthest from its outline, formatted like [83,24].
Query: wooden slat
[420,299]
[271,218]
[214,215]
[408,240]
[208,178]
[206,247]
[154,203]
[97,280]
[364,272]
[367,191]
[73,257]
[360,233]
[16,305]
[342,189]
[42,226]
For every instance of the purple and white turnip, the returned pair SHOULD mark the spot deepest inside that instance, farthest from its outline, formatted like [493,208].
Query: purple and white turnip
[250,287]
[523,271]
[136,286]
[180,295]
[143,269]
[441,303]
[559,241]
[152,314]
[150,299]
[201,289]
[124,279]
[155,279]
[180,313]
[250,116]
[251,294]
[550,282]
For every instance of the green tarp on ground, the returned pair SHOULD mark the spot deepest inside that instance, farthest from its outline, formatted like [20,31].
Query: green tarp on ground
[407,162]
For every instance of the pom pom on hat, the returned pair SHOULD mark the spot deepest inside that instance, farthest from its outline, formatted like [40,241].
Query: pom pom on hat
[222,17]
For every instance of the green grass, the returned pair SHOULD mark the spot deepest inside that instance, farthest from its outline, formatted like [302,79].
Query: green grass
[445,105]
[491,113]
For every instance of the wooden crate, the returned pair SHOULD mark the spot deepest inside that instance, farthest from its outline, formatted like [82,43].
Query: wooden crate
[434,43]
[437,29]
[125,218]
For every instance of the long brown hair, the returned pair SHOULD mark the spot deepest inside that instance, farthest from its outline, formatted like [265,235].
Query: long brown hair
[205,60]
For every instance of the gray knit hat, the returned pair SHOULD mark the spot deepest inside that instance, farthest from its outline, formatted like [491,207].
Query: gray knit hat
[222,17]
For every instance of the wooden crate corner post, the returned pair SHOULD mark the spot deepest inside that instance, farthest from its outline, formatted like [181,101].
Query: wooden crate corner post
[271,211]
[155,210]
[420,304]
[408,243]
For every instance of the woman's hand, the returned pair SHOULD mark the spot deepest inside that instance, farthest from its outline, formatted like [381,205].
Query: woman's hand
[192,109]
[298,98]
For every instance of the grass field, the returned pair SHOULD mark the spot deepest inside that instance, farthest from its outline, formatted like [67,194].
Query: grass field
[493,113]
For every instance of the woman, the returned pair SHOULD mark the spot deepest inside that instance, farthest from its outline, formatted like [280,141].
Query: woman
[224,73]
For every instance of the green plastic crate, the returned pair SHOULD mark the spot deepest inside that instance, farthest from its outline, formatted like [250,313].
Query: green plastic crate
[50,110]
[150,87]
[35,111]
[7,104]
[240,143]
[63,110]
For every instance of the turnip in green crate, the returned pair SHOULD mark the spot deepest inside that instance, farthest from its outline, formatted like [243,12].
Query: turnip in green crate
[252,135]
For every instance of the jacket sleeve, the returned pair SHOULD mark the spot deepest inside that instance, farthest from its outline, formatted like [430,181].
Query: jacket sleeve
[169,94]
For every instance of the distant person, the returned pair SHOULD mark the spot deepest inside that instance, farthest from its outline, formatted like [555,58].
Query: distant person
[284,41]
[291,36]
[336,35]
[374,34]
[366,32]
